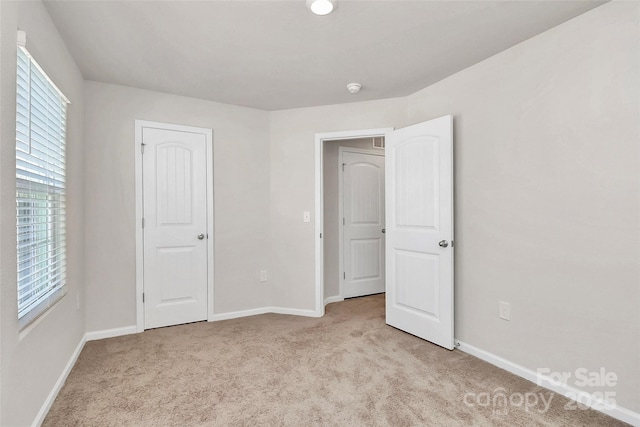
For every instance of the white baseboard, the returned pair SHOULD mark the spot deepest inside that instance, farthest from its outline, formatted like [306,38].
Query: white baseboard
[329,300]
[240,313]
[262,310]
[44,410]
[570,392]
[294,311]
[110,333]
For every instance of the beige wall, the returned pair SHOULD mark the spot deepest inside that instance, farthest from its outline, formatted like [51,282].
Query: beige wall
[292,186]
[547,200]
[31,364]
[547,197]
[244,214]
[331,231]
[241,197]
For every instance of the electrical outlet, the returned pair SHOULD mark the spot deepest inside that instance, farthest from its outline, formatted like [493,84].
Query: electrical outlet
[263,275]
[306,216]
[504,311]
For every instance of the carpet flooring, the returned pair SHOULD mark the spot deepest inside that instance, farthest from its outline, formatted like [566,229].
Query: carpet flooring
[346,369]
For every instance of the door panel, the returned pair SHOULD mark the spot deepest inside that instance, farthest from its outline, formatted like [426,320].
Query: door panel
[363,210]
[417,183]
[175,214]
[177,275]
[173,182]
[419,186]
[365,254]
[417,294]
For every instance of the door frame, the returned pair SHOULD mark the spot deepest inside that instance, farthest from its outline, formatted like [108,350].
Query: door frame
[320,138]
[139,126]
[341,151]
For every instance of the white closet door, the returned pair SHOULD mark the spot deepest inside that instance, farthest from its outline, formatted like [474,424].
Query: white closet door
[175,227]
[363,238]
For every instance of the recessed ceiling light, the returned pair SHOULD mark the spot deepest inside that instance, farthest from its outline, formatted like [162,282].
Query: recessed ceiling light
[321,7]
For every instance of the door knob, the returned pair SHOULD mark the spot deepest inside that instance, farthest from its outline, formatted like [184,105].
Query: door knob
[384,230]
[443,243]
[200,236]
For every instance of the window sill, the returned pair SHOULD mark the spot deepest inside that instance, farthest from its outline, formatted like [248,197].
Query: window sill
[30,319]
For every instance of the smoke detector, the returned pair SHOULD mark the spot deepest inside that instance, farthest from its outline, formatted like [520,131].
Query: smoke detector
[354,88]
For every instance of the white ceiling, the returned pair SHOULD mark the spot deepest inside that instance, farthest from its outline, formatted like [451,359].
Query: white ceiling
[276,54]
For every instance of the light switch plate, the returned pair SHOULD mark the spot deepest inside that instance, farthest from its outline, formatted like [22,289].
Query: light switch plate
[306,216]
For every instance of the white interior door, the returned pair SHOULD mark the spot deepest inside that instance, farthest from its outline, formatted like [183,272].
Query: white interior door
[419,189]
[175,227]
[363,229]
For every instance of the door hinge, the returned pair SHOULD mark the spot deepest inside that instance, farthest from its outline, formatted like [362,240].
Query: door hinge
[143,297]
[142,148]
[342,220]
[343,167]
[321,235]
[142,222]
[344,275]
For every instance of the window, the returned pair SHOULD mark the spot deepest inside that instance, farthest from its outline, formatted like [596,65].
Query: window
[41,111]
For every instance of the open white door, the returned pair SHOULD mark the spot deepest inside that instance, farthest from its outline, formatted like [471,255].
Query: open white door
[419,213]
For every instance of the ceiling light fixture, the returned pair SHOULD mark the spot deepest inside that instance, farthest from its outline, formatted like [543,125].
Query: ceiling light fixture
[321,7]
[354,88]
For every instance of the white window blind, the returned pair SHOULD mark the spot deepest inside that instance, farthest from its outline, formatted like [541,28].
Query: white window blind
[41,111]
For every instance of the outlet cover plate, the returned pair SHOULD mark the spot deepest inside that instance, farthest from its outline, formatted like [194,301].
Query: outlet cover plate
[504,310]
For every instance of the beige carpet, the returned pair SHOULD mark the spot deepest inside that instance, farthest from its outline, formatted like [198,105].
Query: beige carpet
[345,369]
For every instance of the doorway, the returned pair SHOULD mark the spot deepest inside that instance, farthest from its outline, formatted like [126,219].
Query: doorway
[174,203]
[419,227]
[330,272]
[353,199]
